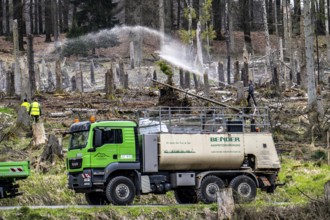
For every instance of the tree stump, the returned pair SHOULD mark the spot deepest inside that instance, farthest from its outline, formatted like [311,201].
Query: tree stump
[226,205]
[327,191]
[240,92]
[52,150]
[23,118]
[39,134]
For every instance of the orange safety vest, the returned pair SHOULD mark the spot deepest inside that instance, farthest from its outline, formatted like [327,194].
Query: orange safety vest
[26,105]
[35,108]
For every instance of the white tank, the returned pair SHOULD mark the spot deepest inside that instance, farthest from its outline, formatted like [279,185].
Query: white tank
[200,151]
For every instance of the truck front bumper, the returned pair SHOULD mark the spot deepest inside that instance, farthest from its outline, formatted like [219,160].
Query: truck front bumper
[80,181]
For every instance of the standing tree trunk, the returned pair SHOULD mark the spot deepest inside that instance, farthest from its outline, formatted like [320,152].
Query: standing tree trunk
[246,21]
[268,48]
[327,27]
[217,19]
[161,21]
[296,18]
[30,56]
[17,70]
[18,15]
[65,15]
[221,74]
[10,82]
[48,20]
[309,46]
[54,11]
[40,22]
[58,73]
[228,40]
[109,83]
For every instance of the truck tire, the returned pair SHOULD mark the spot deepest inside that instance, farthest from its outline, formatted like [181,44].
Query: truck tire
[244,189]
[210,185]
[120,191]
[96,198]
[185,196]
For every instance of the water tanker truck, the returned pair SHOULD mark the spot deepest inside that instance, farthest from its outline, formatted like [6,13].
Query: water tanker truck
[193,151]
[10,172]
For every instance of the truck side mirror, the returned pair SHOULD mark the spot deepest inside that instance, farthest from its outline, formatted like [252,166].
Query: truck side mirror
[97,138]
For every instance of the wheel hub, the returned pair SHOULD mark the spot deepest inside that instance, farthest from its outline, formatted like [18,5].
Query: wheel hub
[244,189]
[212,189]
[122,191]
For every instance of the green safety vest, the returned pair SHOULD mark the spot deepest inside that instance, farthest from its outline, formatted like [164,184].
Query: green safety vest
[35,108]
[26,105]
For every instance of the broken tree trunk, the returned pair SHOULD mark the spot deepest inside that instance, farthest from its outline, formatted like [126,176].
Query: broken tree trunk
[240,92]
[131,54]
[221,74]
[236,69]
[187,80]
[226,205]
[10,79]
[154,77]
[92,72]
[181,78]
[30,57]
[109,83]
[23,118]
[79,78]
[39,134]
[52,150]
[206,85]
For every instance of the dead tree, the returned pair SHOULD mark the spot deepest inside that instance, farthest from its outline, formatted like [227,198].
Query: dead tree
[121,72]
[206,85]
[181,78]
[221,74]
[236,68]
[109,83]
[154,76]
[58,75]
[92,72]
[73,83]
[196,81]
[10,79]
[245,74]
[187,80]
[30,58]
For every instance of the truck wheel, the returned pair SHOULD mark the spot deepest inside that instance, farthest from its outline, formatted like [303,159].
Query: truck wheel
[244,189]
[96,198]
[185,196]
[120,191]
[210,185]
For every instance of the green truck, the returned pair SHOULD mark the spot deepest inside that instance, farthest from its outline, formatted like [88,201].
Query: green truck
[10,172]
[193,151]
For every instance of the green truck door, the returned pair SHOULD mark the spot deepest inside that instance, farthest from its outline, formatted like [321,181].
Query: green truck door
[108,152]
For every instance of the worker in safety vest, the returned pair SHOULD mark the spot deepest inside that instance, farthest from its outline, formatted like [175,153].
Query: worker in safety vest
[26,104]
[35,110]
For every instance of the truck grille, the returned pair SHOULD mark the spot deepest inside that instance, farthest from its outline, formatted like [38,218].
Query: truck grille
[75,163]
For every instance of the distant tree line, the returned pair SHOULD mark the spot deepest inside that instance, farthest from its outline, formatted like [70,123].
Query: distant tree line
[78,17]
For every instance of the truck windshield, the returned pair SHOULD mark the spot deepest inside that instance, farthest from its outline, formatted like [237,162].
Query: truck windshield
[78,140]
